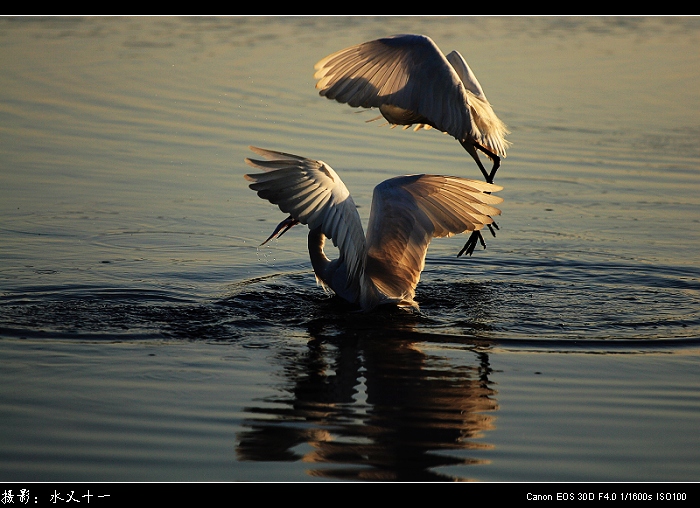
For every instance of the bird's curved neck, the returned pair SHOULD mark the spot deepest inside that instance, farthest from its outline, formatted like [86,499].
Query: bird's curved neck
[319,260]
[351,287]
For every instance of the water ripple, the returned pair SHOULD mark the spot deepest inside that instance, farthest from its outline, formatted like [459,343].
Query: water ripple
[526,300]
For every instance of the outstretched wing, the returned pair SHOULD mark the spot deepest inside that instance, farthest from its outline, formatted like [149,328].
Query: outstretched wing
[408,212]
[313,194]
[408,72]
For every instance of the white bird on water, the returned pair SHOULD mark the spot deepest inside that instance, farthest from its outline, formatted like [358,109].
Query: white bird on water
[407,212]
[412,83]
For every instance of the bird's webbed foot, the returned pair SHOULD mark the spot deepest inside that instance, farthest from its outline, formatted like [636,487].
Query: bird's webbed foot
[282,228]
[469,247]
[477,237]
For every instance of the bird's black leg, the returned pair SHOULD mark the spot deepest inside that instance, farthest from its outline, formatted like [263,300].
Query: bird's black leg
[476,236]
[496,162]
[469,147]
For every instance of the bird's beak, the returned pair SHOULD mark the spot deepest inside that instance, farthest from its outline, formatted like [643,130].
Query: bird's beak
[283,226]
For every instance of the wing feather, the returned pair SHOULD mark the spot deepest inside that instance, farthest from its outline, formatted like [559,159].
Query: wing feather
[408,212]
[406,71]
[313,193]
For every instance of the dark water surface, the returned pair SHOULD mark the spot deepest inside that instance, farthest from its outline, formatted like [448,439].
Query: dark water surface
[145,335]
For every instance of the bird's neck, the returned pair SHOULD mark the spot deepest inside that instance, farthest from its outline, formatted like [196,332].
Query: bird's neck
[319,260]
[352,287]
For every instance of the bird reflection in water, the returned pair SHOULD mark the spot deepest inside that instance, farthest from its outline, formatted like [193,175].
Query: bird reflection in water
[373,405]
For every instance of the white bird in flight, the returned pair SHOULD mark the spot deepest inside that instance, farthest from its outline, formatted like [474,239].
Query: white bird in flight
[407,212]
[411,82]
